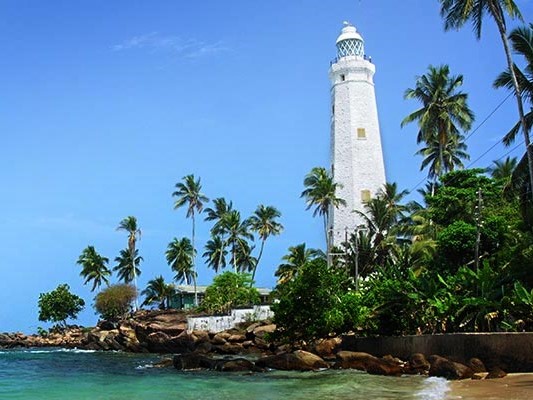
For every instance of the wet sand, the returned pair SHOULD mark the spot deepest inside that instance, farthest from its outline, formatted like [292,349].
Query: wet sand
[512,387]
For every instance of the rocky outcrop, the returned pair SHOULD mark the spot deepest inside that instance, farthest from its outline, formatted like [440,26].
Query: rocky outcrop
[366,362]
[444,368]
[298,360]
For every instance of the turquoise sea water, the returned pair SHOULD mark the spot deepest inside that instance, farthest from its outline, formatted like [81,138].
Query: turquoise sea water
[75,374]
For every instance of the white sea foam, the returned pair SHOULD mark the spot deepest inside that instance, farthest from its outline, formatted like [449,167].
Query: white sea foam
[145,366]
[434,389]
[61,350]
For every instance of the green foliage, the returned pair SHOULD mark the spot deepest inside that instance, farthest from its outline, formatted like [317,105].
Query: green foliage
[229,290]
[59,305]
[315,303]
[115,302]
[457,242]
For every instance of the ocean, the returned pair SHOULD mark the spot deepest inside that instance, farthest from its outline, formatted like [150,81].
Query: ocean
[78,374]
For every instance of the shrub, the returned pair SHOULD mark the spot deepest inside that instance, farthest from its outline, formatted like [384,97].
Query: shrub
[59,304]
[229,290]
[115,302]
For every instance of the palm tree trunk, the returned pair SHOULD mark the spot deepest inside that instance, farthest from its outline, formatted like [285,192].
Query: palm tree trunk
[194,264]
[518,93]
[258,259]
[132,255]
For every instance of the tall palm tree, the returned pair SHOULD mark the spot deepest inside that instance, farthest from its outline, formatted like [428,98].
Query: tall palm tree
[457,13]
[128,265]
[93,267]
[320,192]
[444,112]
[129,225]
[245,262]
[297,257]
[238,234]
[189,194]
[264,223]
[158,291]
[440,159]
[215,253]
[179,256]
[220,208]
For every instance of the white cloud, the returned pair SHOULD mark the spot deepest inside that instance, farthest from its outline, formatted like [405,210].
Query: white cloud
[186,48]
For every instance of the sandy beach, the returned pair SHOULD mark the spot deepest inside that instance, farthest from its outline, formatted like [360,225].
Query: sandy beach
[512,387]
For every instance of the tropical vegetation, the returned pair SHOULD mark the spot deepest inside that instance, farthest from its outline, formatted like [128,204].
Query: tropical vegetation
[59,305]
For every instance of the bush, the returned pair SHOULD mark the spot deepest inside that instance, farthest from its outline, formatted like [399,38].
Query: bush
[59,304]
[312,304]
[115,302]
[229,290]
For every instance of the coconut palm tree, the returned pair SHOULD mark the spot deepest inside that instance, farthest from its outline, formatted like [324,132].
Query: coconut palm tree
[215,253]
[457,13]
[320,192]
[179,256]
[93,267]
[503,169]
[444,112]
[244,260]
[220,208]
[440,159]
[158,291]
[129,225]
[264,223]
[297,257]
[128,265]
[189,194]
[238,234]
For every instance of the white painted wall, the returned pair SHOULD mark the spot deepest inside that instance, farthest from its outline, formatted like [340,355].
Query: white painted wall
[221,323]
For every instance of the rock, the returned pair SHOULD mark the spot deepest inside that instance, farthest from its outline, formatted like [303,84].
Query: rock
[237,338]
[236,365]
[107,325]
[477,365]
[164,363]
[229,348]
[479,376]
[496,373]
[327,347]
[261,331]
[369,363]
[193,361]
[251,328]
[298,361]
[218,340]
[418,364]
[159,342]
[445,368]
[201,336]
[204,348]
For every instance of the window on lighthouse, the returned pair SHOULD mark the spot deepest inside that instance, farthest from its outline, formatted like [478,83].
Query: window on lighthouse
[361,133]
[365,195]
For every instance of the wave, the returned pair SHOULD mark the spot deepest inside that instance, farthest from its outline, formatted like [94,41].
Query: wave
[48,351]
[145,366]
[434,389]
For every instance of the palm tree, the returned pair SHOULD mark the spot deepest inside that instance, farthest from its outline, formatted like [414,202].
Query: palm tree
[128,265]
[179,256]
[158,291]
[238,233]
[297,257]
[441,159]
[215,253]
[220,208]
[129,225]
[444,112]
[93,267]
[189,193]
[458,12]
[245,262]
[264,223]
[320,192]
[503,170]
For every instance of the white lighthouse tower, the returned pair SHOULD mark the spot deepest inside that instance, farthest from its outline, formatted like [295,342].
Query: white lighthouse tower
[356,155]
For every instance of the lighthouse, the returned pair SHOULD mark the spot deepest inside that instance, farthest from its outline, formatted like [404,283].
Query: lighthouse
[356,155]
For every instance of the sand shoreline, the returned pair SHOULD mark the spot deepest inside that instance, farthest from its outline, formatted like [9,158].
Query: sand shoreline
[517,386]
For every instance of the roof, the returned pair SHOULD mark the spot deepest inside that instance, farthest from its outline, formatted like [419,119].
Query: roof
[349,32]
[202,288]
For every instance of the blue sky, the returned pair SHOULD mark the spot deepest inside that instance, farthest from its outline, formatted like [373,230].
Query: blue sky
[104,106]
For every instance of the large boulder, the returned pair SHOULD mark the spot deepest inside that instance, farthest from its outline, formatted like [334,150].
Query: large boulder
[298,360]
[236,365]
[369,363]
[496,373]
[327,347]
[444,368]
[263,330]
[193,361]
[418,364]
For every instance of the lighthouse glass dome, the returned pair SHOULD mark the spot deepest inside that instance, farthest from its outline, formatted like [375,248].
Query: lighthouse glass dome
[350,43]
